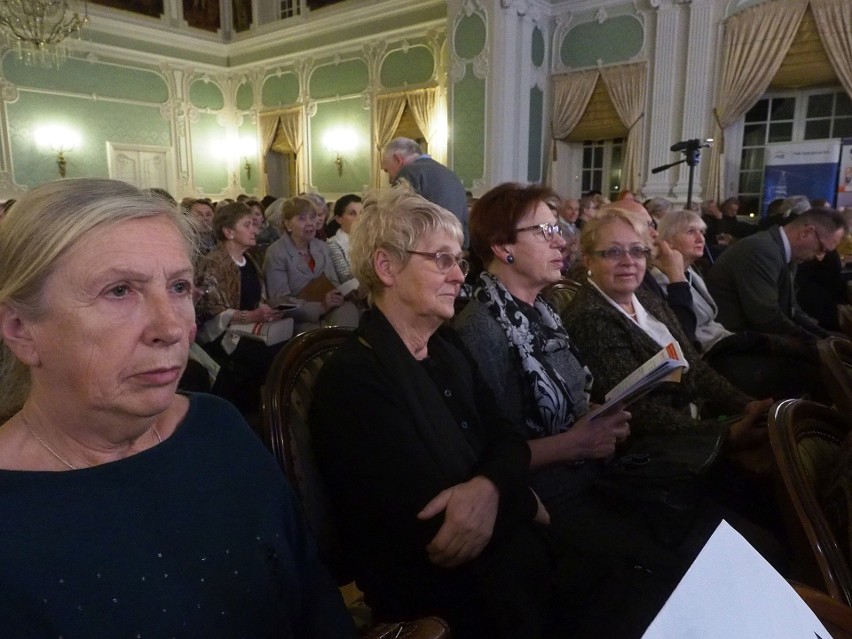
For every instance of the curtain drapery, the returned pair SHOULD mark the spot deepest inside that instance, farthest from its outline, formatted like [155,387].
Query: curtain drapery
[291,129]
[834,23]
[288,125]
[571,94]
[388,112]
[753,47]
[626,86]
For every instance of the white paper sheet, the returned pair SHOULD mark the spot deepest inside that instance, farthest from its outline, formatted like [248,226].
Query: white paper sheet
[731,592]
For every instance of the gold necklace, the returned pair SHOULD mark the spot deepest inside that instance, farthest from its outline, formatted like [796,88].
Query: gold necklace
[41,441]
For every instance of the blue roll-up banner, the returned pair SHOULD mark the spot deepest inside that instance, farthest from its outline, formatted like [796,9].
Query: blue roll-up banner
[801,168]
[844,176]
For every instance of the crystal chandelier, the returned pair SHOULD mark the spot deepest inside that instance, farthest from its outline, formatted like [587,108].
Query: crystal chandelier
[37,29]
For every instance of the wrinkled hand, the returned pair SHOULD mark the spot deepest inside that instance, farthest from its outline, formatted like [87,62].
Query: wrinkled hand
[262,313]
[670,262]
[332,299]
[596,439]
[470,509]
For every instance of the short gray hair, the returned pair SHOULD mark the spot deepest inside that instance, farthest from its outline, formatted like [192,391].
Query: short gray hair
[658,207]
[678,222]
[794,206]
[404,146]
[395,220]
[44,225]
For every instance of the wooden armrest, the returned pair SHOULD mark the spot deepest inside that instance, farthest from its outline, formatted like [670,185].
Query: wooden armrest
[425,628]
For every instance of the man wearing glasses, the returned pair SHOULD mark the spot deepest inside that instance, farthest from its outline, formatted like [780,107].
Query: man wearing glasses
[752,281]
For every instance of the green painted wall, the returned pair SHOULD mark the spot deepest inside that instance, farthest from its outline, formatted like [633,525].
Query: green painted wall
[332,115]
[88,78]
[345,78]
[206,95]
[468,133]
[616,40]
[537,49]
[96,122]
[249,131]
[536,115]
[280,90]
[469,38]
[245,97]
[413,67]
[209,155]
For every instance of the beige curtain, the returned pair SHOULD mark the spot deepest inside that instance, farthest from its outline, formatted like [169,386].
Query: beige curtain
[292,130]
[571,95]
[387,114]
[423,105]
[268,125]
[834,22]
[626,86]
[754,45]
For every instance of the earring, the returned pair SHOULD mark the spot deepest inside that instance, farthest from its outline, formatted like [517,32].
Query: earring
[510,259]
[589,273]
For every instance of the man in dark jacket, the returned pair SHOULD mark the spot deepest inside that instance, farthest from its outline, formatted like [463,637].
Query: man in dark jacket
[403,159]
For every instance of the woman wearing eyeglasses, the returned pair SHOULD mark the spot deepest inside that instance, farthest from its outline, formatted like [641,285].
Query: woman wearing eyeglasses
[618,326]
[428,481]
[532,366]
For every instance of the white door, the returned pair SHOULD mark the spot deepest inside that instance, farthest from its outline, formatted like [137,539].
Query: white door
[141,165]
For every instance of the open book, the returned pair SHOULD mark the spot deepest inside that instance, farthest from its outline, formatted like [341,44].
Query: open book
[665,366]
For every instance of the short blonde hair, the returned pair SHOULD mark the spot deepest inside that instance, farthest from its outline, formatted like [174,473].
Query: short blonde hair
[395,220]
[593,228]
[679,222]
[46,223]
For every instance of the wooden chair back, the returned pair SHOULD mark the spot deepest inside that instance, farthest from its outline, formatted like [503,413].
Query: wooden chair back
[287,396]
[835,354]
[806,440]
[561,293]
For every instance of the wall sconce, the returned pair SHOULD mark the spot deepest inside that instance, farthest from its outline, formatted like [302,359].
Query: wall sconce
[340,141]
[248,148]
[58,139]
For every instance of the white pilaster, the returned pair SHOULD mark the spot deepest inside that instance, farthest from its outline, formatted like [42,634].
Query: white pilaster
[698,93]
[663,99]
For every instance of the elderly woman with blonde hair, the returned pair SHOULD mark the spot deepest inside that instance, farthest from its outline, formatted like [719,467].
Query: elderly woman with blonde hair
[425,475]
[299,270]
[132,510]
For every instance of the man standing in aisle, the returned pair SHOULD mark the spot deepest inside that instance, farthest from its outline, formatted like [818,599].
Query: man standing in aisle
[403,159]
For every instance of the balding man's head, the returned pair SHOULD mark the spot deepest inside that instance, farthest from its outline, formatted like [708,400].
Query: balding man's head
[636,212]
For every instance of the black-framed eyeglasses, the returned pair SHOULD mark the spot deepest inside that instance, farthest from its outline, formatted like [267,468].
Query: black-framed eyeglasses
[547,229]
[445,261]
[616,253]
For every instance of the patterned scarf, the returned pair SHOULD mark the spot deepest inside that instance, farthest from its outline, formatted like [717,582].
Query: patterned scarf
[543,385]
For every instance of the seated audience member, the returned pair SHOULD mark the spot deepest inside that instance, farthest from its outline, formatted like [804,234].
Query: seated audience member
[727,228]
[346,210]
[426,477]
[529,362]
[588,206]
[297,261]
[202,211]
[132,510]
[658,208]
[759,364]
[677,295]
[618,325]
[321,208]
[752,281]
[773,215]
[234,294]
